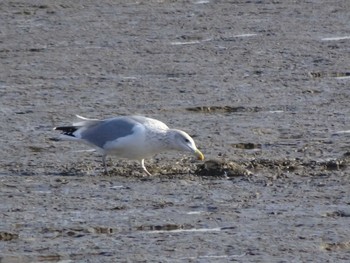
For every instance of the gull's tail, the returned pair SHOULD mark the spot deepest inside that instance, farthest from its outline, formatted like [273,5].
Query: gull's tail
[73,132]
[69,133]
[67,130]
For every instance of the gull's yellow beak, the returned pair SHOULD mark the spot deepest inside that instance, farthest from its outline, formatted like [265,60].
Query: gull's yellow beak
[199,154]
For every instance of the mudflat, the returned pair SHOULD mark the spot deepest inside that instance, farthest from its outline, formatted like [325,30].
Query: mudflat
[263,88]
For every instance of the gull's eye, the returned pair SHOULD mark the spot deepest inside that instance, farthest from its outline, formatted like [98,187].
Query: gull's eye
[187,140]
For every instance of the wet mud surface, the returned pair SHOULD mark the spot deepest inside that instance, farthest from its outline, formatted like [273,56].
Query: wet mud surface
[263,88]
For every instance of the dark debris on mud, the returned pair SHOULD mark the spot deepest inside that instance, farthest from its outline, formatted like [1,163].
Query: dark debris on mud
[336,246]
[7,236]
[220,168]
[211,168]
[293,165]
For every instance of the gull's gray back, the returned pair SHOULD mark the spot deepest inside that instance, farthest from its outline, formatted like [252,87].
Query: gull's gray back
[108,130]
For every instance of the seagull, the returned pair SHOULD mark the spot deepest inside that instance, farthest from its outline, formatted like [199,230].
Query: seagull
[129,137]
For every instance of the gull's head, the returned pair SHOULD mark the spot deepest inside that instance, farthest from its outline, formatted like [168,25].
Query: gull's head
[181,141]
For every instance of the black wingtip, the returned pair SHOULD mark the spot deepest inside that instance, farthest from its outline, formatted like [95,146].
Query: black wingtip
[67,130]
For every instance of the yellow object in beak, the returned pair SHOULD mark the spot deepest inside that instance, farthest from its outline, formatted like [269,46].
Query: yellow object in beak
[199,154]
